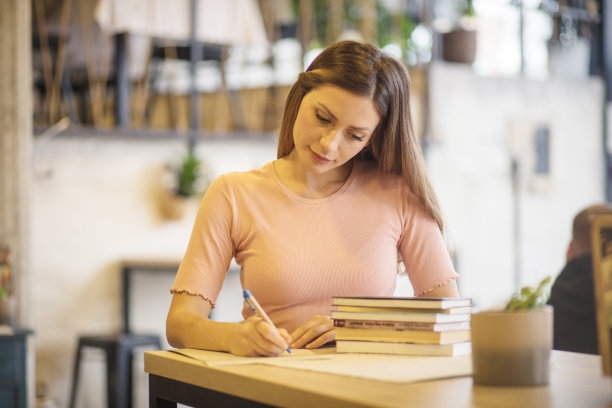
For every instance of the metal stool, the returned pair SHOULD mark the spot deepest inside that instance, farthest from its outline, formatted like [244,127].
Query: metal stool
[118,349]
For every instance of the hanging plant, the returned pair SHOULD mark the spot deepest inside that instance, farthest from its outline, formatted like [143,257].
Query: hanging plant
[187,179]
[188,175]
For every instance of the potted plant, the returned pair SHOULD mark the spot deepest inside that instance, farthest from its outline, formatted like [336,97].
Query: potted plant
[512,346]
[459,44]
[7,299]
[186,180]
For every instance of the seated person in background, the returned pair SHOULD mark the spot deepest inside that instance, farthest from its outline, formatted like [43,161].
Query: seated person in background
[572,294]
[347,194]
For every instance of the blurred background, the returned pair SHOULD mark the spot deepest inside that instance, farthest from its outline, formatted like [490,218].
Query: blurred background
[116,114]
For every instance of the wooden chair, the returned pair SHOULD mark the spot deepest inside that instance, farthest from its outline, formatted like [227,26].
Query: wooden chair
[182,51]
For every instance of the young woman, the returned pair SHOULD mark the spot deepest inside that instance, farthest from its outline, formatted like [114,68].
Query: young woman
[347,196]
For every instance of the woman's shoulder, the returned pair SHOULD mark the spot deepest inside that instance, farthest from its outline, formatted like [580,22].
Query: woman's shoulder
[371,174]
[393,186]
[240,179]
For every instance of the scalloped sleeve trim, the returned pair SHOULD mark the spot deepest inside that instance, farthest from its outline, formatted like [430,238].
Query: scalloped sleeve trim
[439,285]
[192,293]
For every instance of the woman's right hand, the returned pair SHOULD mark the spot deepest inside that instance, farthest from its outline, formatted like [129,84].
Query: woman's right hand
[255,337]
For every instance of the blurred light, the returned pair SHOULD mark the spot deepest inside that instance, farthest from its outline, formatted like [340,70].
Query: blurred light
[421,36]
[393,50]
[310,55]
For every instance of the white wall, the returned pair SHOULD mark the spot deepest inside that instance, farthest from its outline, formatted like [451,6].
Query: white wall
[478,125]
[94,205]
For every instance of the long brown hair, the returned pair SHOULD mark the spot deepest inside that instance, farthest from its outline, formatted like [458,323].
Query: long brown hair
[365,70]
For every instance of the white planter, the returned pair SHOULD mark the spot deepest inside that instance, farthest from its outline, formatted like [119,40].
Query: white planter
[512,348]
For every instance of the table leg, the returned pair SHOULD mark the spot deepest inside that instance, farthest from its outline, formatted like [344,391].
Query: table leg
[165,393]
[155,392]
[161,403]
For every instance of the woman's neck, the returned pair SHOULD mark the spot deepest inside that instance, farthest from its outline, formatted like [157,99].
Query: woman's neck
[310,184]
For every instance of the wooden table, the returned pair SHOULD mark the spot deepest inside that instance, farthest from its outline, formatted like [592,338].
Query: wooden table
[576,381]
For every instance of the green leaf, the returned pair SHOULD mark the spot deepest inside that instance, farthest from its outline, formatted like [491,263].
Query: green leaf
[529,298]
[188,175]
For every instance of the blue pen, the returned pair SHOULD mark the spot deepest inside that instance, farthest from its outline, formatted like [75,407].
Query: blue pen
[254,305]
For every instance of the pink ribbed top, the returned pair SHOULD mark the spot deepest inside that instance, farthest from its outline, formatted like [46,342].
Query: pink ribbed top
[296,253]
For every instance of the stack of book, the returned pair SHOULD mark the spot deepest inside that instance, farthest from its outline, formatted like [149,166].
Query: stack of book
[409,325]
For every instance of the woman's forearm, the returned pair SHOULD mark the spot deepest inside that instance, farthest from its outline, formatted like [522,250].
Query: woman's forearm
[187,325]
[186,329]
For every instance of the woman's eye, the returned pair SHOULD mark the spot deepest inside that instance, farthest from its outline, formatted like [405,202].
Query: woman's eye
[357,137]
[321,118]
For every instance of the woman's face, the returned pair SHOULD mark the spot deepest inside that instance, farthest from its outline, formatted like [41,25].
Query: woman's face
[332,126]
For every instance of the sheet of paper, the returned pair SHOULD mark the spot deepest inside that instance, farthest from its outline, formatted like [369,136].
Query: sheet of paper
[217,358]
[384,367]
[379,367]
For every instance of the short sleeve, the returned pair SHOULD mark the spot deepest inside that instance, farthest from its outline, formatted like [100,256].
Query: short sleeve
[210,249]
[425,256]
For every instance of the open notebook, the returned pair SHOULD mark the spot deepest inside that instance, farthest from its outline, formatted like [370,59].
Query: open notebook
[390,368]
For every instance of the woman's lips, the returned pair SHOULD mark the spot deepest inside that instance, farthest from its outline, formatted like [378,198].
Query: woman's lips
[319,159]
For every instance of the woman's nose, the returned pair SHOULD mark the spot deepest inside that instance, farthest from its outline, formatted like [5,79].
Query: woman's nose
[329,141]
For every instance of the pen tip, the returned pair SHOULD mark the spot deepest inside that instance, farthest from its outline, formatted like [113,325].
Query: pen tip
[246,293]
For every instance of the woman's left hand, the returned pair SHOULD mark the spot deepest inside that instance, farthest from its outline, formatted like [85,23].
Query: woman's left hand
[317,331]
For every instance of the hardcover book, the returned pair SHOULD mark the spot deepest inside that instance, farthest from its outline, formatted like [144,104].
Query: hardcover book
[466,309]
[406,316]
[379,347]
[403,336]
[391,325]
[402,302]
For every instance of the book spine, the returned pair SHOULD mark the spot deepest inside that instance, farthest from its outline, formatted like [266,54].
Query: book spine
[453,310]
[413,302]
[351,346]
[375,324]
